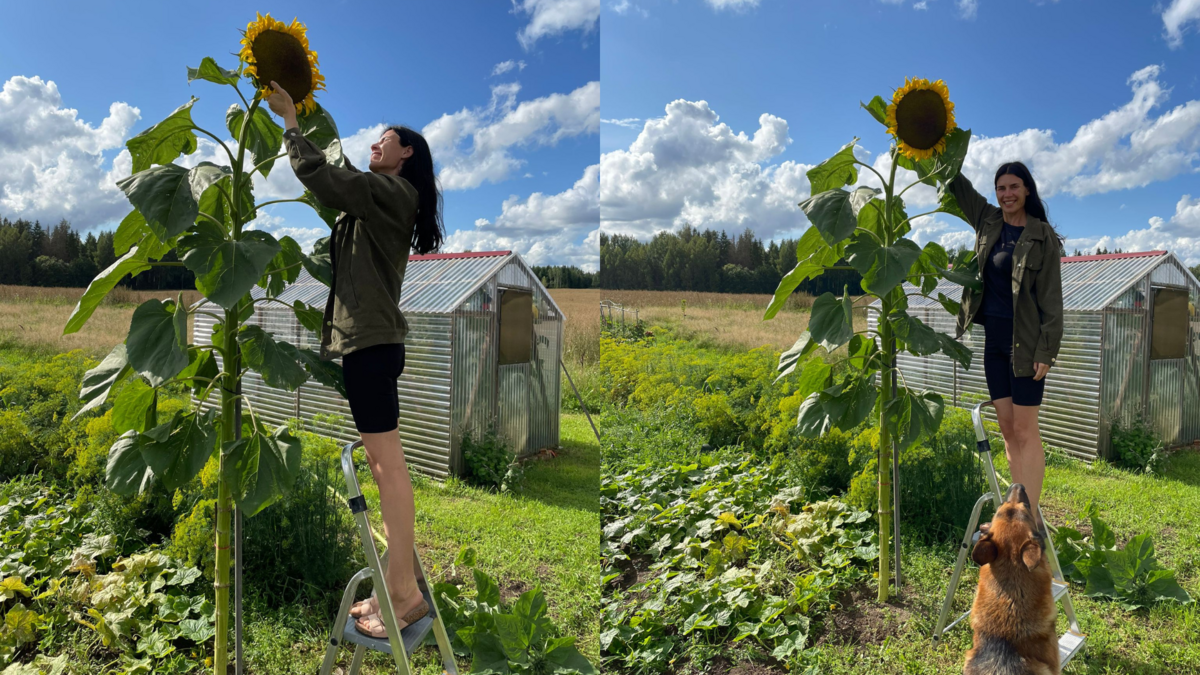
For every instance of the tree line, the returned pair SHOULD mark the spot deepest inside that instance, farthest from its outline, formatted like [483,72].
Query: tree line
[709,261]
[562,276]
[31,255]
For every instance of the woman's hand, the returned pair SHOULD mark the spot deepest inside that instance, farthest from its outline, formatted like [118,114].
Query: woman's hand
[1040,370]
[281,104]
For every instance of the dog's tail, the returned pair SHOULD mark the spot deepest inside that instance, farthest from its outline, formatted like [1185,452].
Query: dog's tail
[995,656]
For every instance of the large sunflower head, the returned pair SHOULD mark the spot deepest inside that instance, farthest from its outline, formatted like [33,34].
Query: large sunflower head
[920,116]
[273,50]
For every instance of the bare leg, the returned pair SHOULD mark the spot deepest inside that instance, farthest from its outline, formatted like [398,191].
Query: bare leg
[1032,456]
[386,458]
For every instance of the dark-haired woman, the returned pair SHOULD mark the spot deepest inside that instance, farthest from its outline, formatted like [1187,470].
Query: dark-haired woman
[1020,309]
[392,209]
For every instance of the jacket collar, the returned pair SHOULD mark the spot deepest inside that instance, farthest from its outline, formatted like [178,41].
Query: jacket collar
[1035,228]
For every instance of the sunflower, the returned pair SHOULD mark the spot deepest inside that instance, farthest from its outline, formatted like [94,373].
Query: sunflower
[273,50]
[920,116]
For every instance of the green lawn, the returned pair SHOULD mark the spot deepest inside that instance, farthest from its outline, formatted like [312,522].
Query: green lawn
[894,638]
[547,533]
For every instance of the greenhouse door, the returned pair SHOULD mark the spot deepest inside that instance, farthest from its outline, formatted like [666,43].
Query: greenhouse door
[1168,359]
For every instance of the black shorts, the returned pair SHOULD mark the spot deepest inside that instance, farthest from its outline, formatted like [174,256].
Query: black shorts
[998,369]
[371,375]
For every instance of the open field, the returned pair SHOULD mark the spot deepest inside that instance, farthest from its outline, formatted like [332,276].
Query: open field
[731,320]
[581,343]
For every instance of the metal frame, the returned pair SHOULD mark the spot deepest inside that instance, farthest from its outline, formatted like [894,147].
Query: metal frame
[1071,642]
[400,644]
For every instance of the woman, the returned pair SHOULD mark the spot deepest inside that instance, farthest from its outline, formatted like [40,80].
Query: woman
[386,212]
[1020,309]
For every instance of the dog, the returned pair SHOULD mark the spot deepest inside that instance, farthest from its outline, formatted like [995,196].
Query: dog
[1014,612]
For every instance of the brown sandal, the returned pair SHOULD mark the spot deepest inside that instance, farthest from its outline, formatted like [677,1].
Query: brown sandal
[380,633]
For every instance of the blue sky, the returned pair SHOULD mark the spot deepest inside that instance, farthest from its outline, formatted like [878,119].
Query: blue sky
[514,147]
[1100,98]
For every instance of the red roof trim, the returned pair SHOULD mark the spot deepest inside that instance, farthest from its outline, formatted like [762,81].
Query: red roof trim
[468,254]
[1112,256]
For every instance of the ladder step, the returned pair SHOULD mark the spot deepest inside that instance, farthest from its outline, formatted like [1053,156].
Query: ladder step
[1058,589]
[412,635]
[1068,646]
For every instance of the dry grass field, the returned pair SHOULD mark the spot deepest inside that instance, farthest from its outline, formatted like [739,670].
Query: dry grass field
[581,343]
[725,319]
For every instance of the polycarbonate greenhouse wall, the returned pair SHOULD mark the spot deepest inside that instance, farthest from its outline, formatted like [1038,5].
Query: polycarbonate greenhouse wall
[1105,371]
[452,382]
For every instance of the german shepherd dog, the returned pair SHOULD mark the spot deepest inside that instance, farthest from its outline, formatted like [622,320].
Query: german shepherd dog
[1013,615]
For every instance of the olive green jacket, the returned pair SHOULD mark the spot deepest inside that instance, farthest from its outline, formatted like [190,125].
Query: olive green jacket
[368,249]
[1036,280]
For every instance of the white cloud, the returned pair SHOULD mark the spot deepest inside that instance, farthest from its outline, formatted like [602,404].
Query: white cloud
[473,145]
[624,7]
[627,122]
[921,5]
[52,164]
[505,66]
[736,5]
[968,8]
[1180,235]
[560,229]
[554,17]
[1176,17]
[688,167]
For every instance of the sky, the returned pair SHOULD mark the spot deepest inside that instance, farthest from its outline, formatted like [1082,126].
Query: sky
[506,92]
[715,109]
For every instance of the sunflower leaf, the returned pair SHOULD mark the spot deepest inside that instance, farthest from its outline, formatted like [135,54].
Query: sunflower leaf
[328,373]
[835,172]
[100,380]
[318,264]
[203,175]
[264,137]
[225,270]
[890,266]
[127,473]
[262,468]
[154,341]
[832,322]
[318,126]
[133,261]
[308,316]
[330,216]
[832,214]
[163,142]
[179,456]
[284,268]
[275,361]
[163,195]
[209,70]
[878,109]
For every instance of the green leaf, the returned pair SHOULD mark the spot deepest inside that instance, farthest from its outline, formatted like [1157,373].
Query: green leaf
[1102,535]
[132,262]
[466,556]
[327,214]
[163,142]
[153,344]
[487,655]
[318,126]
[917,338]
[812,420]
[100,380]
[861,197]
[127,473]
[318,264]
[275,361]
[129,410]
[832,322]
[163,195]
[20,624]
[154,645]
[203,176]
[878,109]
[1162,586]
[209,70]
[951,306]
[129,232]
[565,658]
[815,376]
[788,360]
[197,630]
[202,365]
[226,270]
[949,204]
[890,266]
[861,253]
[966,275]
[835,172]
[531,609]
[178,458]
[328,373]
[849,408]
[487,592]
[832,214]
[261,469]
[928,408]
[308,316]
[11,586]
[264,138]
[955,350]
[284,268]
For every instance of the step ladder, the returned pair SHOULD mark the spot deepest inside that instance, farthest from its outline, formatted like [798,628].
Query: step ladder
[344,632]
[1071,642]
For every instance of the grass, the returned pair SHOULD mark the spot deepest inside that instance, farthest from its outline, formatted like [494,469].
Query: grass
[544,534]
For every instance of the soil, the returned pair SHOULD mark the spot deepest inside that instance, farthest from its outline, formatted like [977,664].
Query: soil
[861,620]
[721,666]
[634,571]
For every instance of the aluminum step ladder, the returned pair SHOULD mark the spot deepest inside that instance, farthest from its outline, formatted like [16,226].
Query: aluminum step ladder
[1069,643]
[344,631]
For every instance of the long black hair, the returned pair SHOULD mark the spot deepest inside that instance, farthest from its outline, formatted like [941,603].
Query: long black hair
[418,170]
[1034,205]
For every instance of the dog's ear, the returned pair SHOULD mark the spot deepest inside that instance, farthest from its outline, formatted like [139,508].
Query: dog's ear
[1031,553]
[985,551]
[985,528]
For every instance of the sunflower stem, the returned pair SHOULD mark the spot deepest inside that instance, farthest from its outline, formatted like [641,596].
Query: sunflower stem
[919,215]
[219,141]
[239,93]
[872,169]
[269,159]
[212,218]
[278,201]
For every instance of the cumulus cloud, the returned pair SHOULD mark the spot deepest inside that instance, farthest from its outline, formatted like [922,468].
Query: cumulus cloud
[474,145]
[560,229]
[1176,18]
[687,167]
[505,66]
[1179,234]
[736,5]
[554,17]
[51,162]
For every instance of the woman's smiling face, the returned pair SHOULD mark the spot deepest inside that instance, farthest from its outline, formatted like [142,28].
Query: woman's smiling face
[1011,193]
[387,154]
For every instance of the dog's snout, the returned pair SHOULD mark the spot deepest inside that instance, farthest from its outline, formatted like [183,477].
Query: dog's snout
[1016,493]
